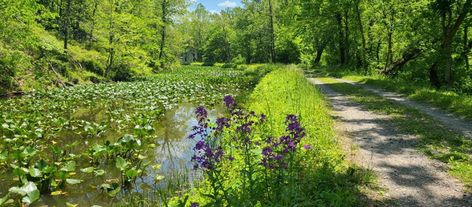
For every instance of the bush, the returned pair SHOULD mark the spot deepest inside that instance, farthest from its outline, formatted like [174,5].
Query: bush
[228,65]
[7,72]
[208,63]
[122,72]
[238,60]
[93,66]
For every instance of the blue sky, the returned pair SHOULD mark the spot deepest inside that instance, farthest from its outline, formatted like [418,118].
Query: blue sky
[218,5]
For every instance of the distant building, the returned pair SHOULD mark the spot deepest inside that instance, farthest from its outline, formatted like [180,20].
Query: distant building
[190,56]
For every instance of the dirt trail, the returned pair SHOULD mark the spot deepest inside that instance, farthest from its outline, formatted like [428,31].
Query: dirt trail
[459,125]
[410,177]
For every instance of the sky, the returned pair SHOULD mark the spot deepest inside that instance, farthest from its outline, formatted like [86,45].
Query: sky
[218,5]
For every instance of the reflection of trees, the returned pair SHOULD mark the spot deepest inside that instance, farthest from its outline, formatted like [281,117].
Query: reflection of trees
[175,148]
[173,135]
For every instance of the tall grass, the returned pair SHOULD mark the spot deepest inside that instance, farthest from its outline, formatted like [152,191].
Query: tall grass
[330,180]
[319,176]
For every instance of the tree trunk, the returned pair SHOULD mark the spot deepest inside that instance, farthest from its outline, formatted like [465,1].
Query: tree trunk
[92,27]
[272,32]
[163,32]
[450,28]
[465,54]
[66,25]
[111,49]
[346,38]
[393,69]
[446,50]
[320,47]
[342,57]
[361,30]
[433,76]
[389,57]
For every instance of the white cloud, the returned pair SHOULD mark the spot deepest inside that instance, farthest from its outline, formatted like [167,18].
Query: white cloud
[228,4]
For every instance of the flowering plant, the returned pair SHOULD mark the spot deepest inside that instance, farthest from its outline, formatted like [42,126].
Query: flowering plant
[241,142]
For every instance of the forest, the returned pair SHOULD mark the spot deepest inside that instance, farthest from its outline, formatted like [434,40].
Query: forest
[259,103]
[424,42]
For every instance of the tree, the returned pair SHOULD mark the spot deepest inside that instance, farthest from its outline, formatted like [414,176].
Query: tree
[451,16]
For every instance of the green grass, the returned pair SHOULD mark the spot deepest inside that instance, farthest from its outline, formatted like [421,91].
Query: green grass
[459,104]
[436,141]
[286,91]
[328,179]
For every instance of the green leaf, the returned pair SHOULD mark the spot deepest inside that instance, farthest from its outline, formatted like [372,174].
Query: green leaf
[71,204]
[159,178]
[99,172]
[69,166]
[121,163]
[6,200]
[132,173]
[56,193]
[87,170]
[73,181]
[114,191]
[156,167]
[34,172]
[3,155]
[29,191]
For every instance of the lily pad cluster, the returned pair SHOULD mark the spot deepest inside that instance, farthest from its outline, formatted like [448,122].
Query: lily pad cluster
[53,139]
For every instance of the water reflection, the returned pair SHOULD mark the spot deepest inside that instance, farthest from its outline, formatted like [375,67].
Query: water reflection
[173,153]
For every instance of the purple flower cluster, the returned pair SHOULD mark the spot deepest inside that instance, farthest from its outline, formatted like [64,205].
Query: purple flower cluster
[205,156]
[221,123]
[276,149]
[202,118]
[230,102]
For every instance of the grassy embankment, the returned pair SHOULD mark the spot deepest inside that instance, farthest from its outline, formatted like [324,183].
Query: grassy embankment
[316,174]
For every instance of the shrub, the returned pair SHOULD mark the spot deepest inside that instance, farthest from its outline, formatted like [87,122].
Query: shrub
[7,72]
[121,73]
[228,65]
[238,60]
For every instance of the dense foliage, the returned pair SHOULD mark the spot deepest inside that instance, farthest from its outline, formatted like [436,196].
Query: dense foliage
[423,41]
[62,42]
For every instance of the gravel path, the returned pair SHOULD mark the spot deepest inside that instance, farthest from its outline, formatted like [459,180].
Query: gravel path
[459,125]
[410,177]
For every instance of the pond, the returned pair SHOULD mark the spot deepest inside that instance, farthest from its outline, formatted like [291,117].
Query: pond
[98,144]
[171,158]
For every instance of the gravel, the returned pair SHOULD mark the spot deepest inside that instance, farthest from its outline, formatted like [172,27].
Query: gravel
[411,178]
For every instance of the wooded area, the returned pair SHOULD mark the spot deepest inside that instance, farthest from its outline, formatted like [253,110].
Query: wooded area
[423,41]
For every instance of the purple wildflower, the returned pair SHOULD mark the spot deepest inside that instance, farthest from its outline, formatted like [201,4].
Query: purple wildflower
[205,156]
[201,113]
[263,117]
[245,128]
[193,204]
[266,151]
[230,102]
[222,123]
[307,147]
